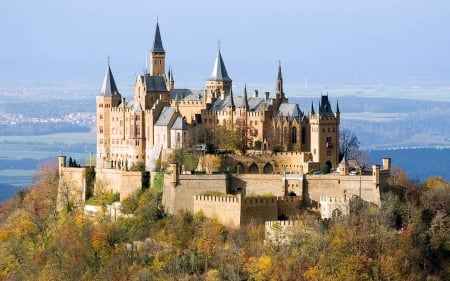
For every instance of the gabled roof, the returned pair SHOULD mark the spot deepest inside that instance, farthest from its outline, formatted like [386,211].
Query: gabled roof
[254,104]
[157,42]
[289,110]
[109,87]
[154,83]
[187,94]
[165,116]
[179,124]
[219,72]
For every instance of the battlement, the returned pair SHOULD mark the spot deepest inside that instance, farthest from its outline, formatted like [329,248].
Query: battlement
[329,199]
[209,198]
[259,200]
[288,223]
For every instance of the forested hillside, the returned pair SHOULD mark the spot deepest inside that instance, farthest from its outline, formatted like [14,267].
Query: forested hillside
[407,238]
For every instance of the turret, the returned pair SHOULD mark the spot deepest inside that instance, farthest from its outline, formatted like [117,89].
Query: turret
[219,81]
[107,98]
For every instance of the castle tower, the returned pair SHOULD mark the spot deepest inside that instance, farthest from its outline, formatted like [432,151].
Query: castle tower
[157,55]
[107,98]
[324,134]
[219,81]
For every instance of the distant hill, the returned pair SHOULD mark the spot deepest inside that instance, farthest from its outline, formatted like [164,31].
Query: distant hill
[419,163]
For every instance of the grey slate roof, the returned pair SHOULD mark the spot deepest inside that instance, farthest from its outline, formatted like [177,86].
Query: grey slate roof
[254,104]
[154,83]
[165,116]
[109,87]
[179,124]
[219,72]
[289,110]
[187,94]
[325,106]
[157,42]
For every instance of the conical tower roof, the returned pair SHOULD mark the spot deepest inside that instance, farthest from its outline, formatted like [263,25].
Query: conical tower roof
[245,98]
[157,42]
[231,99]
[219,72]
[109,87]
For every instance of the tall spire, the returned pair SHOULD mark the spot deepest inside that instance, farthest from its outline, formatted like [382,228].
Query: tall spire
[157,42]
[231,99]
[337,107]
[109,87]
[279,91]
[245,99]
[219,72]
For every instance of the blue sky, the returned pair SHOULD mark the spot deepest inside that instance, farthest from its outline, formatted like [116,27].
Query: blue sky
[330,42]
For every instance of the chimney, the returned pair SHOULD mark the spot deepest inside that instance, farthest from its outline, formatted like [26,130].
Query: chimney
[266,95]
[255,93]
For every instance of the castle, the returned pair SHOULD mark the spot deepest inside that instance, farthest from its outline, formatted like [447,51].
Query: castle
[279,145]
[162,117]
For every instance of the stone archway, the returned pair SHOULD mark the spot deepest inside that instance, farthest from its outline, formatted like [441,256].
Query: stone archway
[268,169]
[336,213]
[253,169]
[329,165]
[239,168]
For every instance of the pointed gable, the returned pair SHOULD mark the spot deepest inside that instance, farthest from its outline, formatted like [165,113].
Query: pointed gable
[219,72]
[109,87]
[157,42]
[325,106]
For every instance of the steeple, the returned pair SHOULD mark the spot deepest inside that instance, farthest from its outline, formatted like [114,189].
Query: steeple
[337,107]
[109,87]
[279,91]
[158,55]
[245,99]
[219,72]
[157,42]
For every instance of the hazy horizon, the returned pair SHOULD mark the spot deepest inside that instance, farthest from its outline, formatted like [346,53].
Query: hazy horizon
[330,43]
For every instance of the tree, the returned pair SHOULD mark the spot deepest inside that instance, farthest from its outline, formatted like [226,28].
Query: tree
[348,145]
[212,163]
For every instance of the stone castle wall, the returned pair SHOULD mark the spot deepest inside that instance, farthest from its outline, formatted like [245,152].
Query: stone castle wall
[335,185]
[257,184]
[225,209]
[73,185]
[182,196]
[258,210]
[124,182]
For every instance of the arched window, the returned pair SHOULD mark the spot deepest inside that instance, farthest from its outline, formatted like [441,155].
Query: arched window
[268,168]
[253,169]
[294,135]
[303,135]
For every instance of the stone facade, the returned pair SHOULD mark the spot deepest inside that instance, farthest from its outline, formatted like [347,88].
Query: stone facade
[306,190]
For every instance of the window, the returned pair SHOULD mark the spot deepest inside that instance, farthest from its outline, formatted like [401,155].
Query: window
[294,135]
[101,129]
[328,143]
[138,131]
[100,117]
